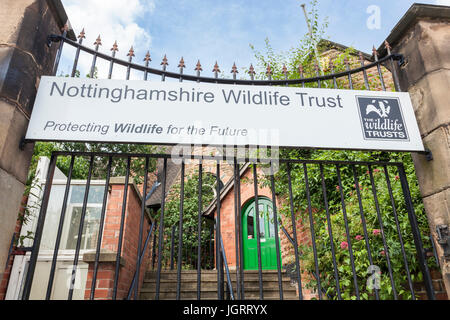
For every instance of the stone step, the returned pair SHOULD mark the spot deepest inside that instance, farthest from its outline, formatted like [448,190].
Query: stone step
[188,288]
[212,286]
[213,296]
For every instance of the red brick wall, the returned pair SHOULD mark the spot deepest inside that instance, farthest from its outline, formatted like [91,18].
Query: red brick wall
[106,271]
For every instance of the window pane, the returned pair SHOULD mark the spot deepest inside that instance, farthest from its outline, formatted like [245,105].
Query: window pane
[90,228]
[250,226]
[95,194]
[271,223]
[262,229]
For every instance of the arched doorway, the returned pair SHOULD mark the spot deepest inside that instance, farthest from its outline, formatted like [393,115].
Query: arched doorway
[267,235]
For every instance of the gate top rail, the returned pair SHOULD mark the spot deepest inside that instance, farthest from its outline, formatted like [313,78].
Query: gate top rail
[130,65]
[221,158]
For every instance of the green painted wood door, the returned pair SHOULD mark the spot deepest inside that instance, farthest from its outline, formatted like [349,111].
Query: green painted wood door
[267,234]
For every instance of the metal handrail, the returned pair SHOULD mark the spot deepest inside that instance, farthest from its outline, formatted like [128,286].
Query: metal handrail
[227,270]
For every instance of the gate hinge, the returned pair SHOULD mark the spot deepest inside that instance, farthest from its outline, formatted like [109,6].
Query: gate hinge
[444,239]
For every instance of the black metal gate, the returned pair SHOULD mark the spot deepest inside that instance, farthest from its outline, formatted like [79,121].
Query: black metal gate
[360,216]
[364,237]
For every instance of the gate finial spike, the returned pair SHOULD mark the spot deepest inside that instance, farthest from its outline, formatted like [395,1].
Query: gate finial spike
[147,57]
[388,47]
[165,61]
[82,35]
[216,68]
[131,52]
[361,57]
[251,70]
[234,68]
[375,53]
[115,47]
[198,66]
[182,65]
[98,41]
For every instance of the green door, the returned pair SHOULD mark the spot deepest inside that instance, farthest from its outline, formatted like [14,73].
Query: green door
[267,236]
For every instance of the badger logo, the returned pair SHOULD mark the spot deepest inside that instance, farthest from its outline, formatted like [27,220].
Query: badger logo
[381,118]
[383,109]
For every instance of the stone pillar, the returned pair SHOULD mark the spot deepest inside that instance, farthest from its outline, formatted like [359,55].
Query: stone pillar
[24,57]
[423,37]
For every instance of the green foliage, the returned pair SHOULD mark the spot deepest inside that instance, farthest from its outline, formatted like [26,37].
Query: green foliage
[190,216]
[304,54]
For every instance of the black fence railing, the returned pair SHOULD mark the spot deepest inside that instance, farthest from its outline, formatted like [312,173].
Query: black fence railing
[388,61]
[354,229]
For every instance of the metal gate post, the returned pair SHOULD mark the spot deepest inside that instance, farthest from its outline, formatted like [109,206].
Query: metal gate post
[416,234]
[39,229]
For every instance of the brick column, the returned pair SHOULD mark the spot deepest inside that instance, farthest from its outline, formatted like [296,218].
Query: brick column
[24,57]
[423,37]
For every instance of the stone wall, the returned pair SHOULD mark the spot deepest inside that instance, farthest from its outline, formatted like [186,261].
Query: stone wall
[423,37]
[24,57]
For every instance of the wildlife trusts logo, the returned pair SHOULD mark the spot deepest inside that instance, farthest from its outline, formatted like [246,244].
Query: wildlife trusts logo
[382,118]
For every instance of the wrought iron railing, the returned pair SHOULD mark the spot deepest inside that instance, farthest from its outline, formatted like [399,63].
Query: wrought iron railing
[378,63]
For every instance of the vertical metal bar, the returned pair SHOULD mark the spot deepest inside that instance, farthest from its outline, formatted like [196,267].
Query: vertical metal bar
[180,232]
[237,229]
[100,233]
[393,68]
[258,231]
[313,233]
[97,44]
[380,73]
[347,230]
[61,45]
[220,284]
[380,221]
[319,83]
[366,80]
[294,233]
[114,49]
[397,224]
[130,56]
[330,233]
[416,234]
[147,60]
[164,64]
[181,66]
[161,229]
[154,245]
[172,248]
[77,54]
[364,224]
[199,229]
[347,65]
[39,229]
[60,229]
[301,71]
[133,283]
[80,229]
[122,225]
[141,226]
[277,238]
[241,247]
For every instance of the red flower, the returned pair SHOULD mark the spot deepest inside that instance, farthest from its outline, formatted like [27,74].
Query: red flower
[397,178]
[359,237]
[376,170]
[337,188]
[382,253]
[344,245]
[376,232]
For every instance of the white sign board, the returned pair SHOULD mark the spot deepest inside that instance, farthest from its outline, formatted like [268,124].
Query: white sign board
[115,111]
